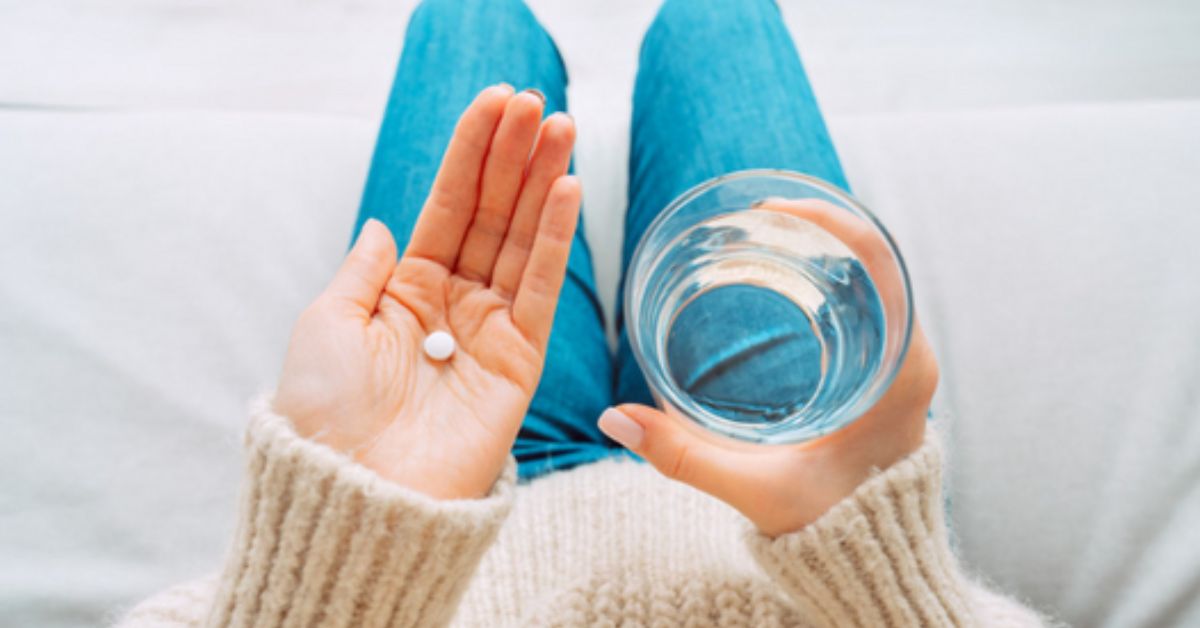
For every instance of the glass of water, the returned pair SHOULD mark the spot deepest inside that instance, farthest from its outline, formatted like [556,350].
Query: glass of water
[768,306]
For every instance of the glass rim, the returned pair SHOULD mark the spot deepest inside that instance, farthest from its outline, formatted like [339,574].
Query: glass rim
[669,391]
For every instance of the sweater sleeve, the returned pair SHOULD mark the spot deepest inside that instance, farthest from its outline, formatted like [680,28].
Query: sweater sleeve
[322,540]
[881,557]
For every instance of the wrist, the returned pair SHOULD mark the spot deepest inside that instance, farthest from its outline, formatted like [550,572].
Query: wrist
[844,461]
[868,446]
[463,472]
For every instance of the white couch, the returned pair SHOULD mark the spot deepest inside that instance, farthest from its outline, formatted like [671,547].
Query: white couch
[177,179]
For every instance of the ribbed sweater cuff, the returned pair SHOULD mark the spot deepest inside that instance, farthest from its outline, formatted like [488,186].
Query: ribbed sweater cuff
[325,541]
[880,557]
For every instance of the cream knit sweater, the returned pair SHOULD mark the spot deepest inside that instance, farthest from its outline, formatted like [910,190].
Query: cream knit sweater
[323,541]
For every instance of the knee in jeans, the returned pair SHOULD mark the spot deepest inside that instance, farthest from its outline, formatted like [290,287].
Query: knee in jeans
[458,14]
[713,16]
[478,18]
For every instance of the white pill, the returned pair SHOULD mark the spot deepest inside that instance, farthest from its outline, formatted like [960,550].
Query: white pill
[439,345]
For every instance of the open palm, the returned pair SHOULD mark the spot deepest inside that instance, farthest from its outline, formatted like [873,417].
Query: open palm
[485,263]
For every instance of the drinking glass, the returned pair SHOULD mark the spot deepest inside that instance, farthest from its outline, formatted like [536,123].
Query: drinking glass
[768,306]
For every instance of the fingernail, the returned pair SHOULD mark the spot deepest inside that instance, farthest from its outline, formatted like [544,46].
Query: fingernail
[506,87]
[570,179]
[564,115]
[536,92]
[621,428]
[765,201]
[372,224]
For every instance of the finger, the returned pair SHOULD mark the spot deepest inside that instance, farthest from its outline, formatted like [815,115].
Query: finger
[855,232]
[861,237]
[450,207]
[550,160]
[541,281]
[366,269]
[502,174]
[675,451]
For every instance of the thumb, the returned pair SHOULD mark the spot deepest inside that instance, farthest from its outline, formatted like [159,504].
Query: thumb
[367,267]
[674,450]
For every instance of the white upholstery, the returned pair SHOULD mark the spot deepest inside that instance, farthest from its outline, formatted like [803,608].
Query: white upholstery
[178,179]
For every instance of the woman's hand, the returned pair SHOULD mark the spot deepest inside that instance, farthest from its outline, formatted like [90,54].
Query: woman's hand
[782,488]
[485,263]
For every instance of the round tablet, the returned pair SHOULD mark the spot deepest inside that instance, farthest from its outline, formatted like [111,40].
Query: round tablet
[439,345]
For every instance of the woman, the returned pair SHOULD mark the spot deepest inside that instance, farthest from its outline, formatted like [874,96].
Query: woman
[380,485]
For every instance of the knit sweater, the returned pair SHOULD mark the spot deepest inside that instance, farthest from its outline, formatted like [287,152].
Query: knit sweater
[323,541]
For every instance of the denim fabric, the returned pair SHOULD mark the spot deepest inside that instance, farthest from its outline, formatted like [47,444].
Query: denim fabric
[720,88]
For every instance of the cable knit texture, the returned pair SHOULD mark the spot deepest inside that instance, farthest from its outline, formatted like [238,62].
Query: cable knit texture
[323,541]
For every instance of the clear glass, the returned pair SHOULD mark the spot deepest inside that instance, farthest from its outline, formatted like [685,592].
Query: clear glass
[768,306]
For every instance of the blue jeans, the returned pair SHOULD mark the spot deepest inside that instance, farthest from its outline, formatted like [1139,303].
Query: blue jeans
[720,88]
